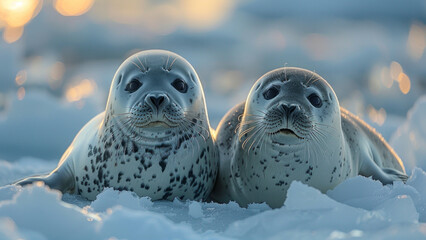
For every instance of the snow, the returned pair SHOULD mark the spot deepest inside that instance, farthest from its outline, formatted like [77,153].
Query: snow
[36,212]
[409,140]
[360,207]
[195,210]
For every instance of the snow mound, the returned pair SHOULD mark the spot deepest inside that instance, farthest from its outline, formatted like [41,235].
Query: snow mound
[359,207]
[312,215]
[409,140]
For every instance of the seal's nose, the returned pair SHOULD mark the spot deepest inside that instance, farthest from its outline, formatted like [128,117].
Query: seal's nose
[288,109]
[156,100]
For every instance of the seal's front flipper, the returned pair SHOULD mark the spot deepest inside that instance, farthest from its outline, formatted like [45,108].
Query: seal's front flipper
[60,179]
[385,175]
[395,174]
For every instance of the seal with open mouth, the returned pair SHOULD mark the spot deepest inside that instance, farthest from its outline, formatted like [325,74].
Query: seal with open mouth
[291,127]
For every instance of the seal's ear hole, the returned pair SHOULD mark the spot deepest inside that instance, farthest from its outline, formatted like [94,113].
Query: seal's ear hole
[257,87]
[331,97]
[192,77]
[119,79]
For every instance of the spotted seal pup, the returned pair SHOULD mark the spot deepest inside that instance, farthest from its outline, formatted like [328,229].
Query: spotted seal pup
[291,127]
[154,137]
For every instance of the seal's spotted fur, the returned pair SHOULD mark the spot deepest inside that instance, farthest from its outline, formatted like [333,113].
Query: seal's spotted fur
[154,137]
[291,127]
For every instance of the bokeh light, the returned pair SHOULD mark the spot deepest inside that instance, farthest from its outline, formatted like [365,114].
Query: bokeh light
[377,116]
[17,13]
[416,43]
[388,75]
[317,46]
[21,93]
[204,14]
[12,34]
[404,83]
[81,90]
[21,78]
[14,14]
[164,17]
[56,73]
[73,7]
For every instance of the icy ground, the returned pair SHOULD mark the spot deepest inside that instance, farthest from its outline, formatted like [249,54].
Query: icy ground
[358,208]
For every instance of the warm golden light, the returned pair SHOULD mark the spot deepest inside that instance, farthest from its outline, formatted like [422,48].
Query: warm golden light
[21,93]
[377,116]
[395,70]
[404,83]
[12,34]
[82,90]
[226,82]
[56,73]
[317,46]
[416,43]
[21,78]
[17,13]
[164,17]
[73,7]
[204,14]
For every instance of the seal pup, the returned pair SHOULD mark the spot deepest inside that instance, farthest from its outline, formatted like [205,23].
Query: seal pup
[154,137]
[291,127]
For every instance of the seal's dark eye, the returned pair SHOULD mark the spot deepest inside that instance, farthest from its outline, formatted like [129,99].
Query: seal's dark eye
[180,85]
[271,92]
[133,85]
[315,100]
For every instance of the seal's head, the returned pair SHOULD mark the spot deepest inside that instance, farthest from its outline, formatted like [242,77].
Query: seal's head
[155,94]
[289,106]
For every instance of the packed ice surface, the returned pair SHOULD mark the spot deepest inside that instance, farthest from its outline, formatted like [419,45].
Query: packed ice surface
[358,208]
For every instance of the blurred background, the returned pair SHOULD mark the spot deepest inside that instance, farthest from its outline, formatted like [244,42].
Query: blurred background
[58,57]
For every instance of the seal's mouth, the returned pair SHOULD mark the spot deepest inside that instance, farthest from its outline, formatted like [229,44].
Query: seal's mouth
[157,124]
[290,132]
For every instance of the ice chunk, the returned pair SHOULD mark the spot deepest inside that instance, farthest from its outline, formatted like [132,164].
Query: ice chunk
[195,210]
[39,209]
[110,198]
[310,214]
[418,181]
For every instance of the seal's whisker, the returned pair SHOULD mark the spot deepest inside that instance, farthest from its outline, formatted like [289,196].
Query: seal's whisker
[251,136]
[142,65]
[245,132]
[197,124]
[137,66]
[165,67]
[312,76]
[245,123]
[253,139]
[200,133]
[264,113]
[260,135]
[171,65]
